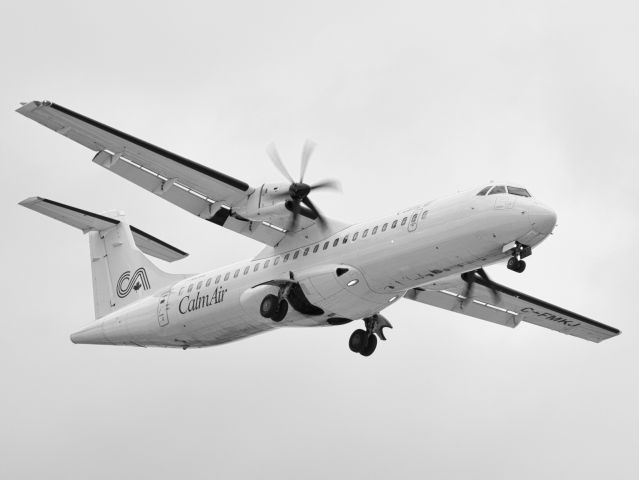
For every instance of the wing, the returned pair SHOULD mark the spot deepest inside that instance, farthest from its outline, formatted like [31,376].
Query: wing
[509,308]
[204,192]
[88,221]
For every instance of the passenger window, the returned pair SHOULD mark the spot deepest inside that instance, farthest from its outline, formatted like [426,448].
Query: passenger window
[394,224]
[266,263]
[208,282]
[199,285]
[384,227]
[296,254]
[226,277]
[325,245]
[190,288]
[246,270]
[355,236]
[181,291]
[484,190]
[276,261]
[365,233]
[413,219]
[404,221]
[336,242]
[237,272]
[374,230]
[424,214]
[286,257]
[345,239]
[316,248]
[498,189]
[256,267]
[306,251]
[217,279]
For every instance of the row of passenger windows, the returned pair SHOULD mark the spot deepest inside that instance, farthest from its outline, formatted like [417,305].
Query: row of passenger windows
[304,252]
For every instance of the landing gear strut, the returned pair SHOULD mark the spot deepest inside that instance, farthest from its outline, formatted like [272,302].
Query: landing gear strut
[364,342]
[515,263]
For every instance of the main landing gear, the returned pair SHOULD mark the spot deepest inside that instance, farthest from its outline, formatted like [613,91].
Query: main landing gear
[515,263]
[274,308]
[364,342]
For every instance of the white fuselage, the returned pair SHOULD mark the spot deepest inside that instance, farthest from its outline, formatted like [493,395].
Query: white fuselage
[382,260]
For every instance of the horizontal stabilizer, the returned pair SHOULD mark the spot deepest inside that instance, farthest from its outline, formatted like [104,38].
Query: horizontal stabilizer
[88,221]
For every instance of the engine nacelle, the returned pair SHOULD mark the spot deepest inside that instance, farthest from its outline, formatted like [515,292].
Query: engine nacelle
[266,203]
[342,290]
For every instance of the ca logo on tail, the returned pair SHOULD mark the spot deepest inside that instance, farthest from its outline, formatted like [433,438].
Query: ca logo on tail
[128,282]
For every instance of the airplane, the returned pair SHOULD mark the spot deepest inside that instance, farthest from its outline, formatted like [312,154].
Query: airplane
[312,271]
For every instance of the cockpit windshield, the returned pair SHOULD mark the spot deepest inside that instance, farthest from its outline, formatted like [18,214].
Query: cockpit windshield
[522,192]
[492,190]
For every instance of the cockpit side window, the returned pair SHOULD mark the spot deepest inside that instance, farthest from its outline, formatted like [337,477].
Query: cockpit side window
[498,189]
[484,190]
[522,192]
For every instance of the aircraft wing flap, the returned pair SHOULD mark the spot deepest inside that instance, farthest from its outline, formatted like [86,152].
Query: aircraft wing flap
[509,308]
[89,221]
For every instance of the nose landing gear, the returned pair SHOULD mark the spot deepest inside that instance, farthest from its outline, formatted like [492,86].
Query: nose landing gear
[364,342]
[515,263]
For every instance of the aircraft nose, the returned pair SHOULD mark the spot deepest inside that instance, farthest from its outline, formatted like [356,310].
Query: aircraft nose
[542,218]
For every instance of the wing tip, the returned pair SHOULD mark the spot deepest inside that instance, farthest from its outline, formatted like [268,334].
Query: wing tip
[28,107]
[28,202]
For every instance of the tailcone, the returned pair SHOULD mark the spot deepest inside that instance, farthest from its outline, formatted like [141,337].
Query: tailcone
[92,334]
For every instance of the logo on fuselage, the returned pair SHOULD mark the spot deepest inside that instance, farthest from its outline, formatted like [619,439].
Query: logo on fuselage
[190,304]
[127,282]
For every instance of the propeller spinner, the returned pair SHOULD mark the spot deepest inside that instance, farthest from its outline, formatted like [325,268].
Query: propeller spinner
[298,191]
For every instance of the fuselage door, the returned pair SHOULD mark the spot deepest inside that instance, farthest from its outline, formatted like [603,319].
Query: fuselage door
[163,309]
[414,219]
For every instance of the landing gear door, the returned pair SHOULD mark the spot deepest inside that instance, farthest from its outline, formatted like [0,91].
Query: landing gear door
[163,309]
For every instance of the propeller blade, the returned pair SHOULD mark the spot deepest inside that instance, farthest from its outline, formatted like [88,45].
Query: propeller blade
[471,277]
[489,283]
[320,217]
[307,151]
[273,154]
[332,184]
[296,213]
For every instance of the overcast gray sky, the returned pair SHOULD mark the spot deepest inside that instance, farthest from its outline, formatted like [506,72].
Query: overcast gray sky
[407,101]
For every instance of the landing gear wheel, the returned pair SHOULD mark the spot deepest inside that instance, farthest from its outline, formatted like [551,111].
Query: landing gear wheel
[516,265]
[512,263]
[281,312]
[358,340]
[370,346]
[269,306]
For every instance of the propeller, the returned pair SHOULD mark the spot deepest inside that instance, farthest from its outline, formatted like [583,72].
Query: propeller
[478,276]
[298,191]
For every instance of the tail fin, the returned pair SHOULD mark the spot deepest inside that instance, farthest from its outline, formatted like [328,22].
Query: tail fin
[121,273]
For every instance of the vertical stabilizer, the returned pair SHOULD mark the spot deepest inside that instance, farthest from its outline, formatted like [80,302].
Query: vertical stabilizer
[121,273]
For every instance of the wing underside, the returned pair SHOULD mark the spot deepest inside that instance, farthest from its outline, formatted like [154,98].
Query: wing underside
[196,188]
[509,307]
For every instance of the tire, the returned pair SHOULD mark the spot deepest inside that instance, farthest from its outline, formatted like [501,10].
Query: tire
[512,264]
[281,312]
[370,346]
[521,266]
[268,307]
[357,341]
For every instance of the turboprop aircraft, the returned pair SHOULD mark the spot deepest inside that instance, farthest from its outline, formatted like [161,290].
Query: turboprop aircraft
[312,271]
